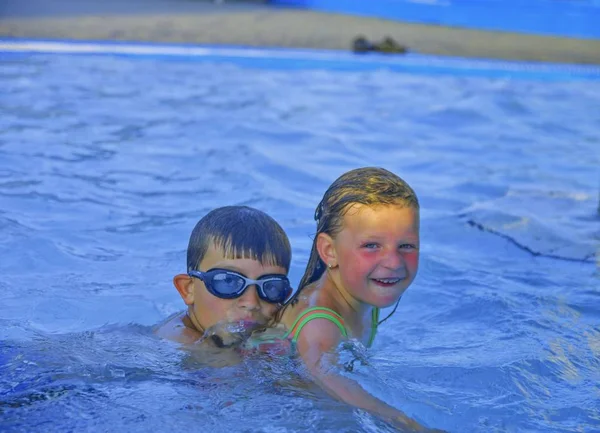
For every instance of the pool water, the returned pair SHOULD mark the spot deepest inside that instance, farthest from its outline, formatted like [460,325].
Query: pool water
[106,164]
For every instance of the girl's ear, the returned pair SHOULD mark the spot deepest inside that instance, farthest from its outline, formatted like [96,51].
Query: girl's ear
[185,286]
[326,250]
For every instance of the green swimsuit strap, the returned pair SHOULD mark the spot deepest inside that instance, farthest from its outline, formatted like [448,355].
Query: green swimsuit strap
[374,322]
[316,313]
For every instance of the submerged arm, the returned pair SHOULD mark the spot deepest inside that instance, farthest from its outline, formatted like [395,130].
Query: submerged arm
[317,339]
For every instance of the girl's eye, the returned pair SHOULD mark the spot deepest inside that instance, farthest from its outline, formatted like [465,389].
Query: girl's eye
[370,245]
[408,247]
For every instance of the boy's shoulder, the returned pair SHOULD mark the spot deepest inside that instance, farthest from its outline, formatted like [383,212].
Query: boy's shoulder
[174,329]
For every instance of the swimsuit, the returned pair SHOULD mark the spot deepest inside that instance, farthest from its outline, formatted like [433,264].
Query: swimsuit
[332,316]
[272,340]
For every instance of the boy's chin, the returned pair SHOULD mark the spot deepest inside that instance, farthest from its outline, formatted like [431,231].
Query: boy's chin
[227,334]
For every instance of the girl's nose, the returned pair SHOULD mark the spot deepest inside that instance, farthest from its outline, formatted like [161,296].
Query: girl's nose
[393,260]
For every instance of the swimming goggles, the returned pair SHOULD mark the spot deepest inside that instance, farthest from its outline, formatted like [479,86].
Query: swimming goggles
[225,284]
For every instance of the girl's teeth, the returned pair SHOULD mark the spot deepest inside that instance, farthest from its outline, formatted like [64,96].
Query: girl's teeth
[388,280]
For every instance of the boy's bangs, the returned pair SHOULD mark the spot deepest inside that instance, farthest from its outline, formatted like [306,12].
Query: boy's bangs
[240,232]
[268,250]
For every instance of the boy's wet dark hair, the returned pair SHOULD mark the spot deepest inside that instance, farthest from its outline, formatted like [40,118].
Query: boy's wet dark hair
[370,186]
[240,232]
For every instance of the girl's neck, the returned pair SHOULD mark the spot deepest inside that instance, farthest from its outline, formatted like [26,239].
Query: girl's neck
[354,312]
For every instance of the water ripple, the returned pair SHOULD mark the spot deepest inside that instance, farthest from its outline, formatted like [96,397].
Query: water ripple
[107,168]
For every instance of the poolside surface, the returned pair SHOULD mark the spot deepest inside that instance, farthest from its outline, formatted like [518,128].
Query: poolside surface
[253,23]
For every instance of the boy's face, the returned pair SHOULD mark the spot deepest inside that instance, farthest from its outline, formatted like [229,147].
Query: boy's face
[208,310]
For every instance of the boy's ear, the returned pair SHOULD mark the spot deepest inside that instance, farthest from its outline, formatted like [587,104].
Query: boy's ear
[326,250]
[184,285]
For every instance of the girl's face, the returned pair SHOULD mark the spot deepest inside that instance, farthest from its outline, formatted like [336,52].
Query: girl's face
[377,252]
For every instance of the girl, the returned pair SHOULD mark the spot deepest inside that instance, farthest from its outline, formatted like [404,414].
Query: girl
[364,256]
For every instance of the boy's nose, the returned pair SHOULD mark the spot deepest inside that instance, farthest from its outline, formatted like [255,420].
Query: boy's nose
[249,299]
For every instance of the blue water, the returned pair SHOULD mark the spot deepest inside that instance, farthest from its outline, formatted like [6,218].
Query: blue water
[107,163]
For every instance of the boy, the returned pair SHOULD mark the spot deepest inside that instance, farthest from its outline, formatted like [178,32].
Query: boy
[238,258]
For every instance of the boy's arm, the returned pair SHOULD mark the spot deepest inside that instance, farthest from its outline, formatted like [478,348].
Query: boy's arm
[318,338]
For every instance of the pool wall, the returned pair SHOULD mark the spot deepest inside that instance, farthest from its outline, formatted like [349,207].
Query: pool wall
[309,59]
[569,18]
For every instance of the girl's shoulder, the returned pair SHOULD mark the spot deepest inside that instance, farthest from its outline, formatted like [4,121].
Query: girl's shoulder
[311,298]
[303,313]
[282,337]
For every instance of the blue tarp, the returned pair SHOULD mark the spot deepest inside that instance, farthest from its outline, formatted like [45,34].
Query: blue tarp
[569,18]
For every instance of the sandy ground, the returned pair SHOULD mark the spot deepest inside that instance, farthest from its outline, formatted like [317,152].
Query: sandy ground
[253,23]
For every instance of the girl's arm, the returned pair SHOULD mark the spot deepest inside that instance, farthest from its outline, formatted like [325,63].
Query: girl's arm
[317,339]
